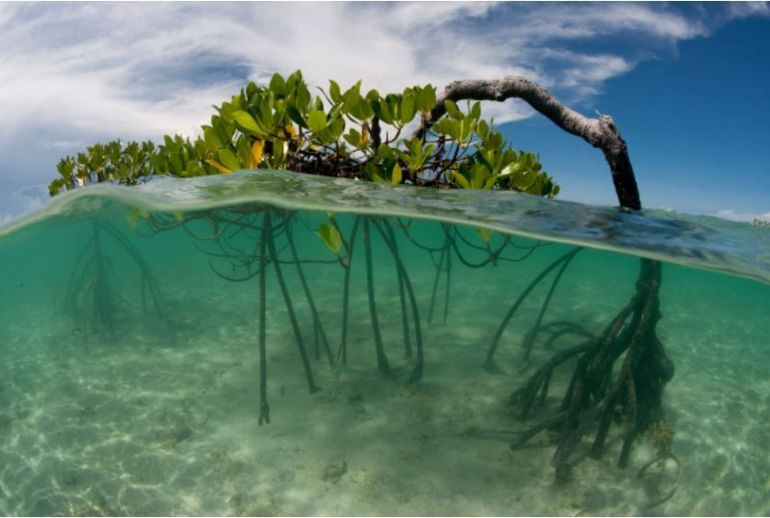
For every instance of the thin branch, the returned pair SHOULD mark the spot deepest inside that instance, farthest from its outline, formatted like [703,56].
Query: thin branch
[601,133]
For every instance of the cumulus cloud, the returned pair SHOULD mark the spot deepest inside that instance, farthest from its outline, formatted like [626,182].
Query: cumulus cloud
[73,73]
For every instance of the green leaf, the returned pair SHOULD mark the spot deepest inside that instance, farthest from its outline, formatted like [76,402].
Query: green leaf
[316,120]
[482,130]
[246,122]
[352,95]
[476,110]
[372,95]
[252,88]
[176,163]
[277,84]
[238,102]
[336,127]
[56,186]
[453,110]
[228,159]
[408,109]
[393,108]
[396,175]
[353,137]
[384,152]
[266,111]
[383,110]
[279,148]
[296,116]
[451,128]
[479,176]
[334,91]
[294,79]
[510,169]
[485,234]
[362,110]
[370,170]
[468,126]
[460,180]
[330,237]
[378,179]
[427,98]
[211,138]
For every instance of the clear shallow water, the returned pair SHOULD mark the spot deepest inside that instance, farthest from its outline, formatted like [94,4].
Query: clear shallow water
[110,404]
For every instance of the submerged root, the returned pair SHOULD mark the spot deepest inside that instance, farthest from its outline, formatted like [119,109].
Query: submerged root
[264,406]
[662,437]
[600,392]
[489,362]
[342,353]
[673,487]
[382,360]
[317,323]
[274,259]
[403,278]
[93,295]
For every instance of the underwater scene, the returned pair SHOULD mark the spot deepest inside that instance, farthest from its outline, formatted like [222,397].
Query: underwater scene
[281,344]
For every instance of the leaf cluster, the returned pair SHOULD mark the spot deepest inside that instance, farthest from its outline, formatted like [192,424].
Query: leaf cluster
[336,132]
[114,161]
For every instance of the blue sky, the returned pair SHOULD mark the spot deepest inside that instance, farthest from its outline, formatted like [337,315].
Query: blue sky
[686,83]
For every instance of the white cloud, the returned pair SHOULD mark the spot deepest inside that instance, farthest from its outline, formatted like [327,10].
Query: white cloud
[583,73]
[66,144]
[20,200]
[139,70]
[741,216]
[89,65]
[747,9]
[581,20]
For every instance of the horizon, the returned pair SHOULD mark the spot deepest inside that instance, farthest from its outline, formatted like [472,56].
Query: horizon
[685,83]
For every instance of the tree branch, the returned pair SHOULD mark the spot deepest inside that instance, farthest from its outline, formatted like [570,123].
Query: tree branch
[601,133]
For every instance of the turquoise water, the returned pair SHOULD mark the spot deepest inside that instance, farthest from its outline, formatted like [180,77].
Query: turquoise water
[131,374]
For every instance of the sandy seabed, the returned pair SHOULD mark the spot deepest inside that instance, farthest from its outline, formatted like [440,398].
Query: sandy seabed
[162,420]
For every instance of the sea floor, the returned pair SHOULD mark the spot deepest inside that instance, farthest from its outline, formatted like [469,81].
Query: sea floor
[162,419]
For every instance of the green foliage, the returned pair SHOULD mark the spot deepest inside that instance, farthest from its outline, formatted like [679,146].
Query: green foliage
[110,162]
[331,237]
[337,133]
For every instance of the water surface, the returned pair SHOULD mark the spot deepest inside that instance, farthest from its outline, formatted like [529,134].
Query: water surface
[130,381]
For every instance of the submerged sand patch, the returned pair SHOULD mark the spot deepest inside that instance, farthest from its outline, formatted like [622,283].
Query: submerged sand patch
[166,423]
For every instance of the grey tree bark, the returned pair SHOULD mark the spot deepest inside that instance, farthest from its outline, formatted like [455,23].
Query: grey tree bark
[601,132]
